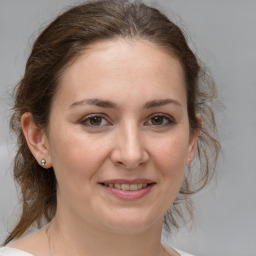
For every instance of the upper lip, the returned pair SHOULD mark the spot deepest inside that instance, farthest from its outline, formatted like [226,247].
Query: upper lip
[125,181]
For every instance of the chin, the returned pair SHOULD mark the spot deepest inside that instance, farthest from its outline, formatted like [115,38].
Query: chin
[132,222]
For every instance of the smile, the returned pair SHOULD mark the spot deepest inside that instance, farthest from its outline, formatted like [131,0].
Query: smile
[132,187]
[128,189]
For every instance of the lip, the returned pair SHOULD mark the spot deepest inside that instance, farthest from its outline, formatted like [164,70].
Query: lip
[128,194]
[124,181]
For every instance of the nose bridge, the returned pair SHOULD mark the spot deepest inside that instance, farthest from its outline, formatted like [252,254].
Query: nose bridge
[132,143]
[130,150]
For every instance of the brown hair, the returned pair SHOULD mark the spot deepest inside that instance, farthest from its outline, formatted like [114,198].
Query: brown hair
[62,41]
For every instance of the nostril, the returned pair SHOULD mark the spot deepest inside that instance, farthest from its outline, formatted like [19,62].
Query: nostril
[128,158]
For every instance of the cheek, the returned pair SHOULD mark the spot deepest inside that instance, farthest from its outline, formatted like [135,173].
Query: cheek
[171,154]
[75,156]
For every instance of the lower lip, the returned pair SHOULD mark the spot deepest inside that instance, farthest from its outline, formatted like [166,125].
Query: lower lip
[129,194]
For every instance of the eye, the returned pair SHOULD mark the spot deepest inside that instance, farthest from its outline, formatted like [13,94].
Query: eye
[160,120]
[95,120]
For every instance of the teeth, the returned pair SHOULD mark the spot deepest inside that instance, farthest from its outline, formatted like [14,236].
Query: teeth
[133,187]
[118,186]
[127,186]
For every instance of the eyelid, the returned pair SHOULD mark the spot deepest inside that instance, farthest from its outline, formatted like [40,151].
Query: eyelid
[170,119]
[87,117]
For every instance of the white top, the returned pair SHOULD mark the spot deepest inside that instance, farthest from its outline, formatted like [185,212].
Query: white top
[7,251]
[181,253]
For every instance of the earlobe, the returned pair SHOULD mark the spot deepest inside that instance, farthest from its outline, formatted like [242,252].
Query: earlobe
[36,140]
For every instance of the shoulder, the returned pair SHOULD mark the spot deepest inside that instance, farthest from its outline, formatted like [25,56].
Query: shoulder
[35,243]
[32,244]
[8,251]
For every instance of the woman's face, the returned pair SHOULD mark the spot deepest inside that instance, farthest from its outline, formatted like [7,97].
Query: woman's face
[119,137]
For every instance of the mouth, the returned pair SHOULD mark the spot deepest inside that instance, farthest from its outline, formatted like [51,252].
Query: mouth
[124,186]
[128,189]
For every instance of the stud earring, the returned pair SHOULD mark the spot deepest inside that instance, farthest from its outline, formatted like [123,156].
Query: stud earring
[43,162]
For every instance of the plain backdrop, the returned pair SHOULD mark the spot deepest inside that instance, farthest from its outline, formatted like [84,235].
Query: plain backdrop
[223,34]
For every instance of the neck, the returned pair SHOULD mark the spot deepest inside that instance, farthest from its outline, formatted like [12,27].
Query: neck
[76,238]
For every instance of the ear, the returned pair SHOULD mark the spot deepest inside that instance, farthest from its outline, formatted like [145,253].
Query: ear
[193,141]
[36,140]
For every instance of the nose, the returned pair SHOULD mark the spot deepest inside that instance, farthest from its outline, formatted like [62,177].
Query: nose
[129,149]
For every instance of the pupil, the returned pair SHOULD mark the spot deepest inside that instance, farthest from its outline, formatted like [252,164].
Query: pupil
[95,120]
[157,120]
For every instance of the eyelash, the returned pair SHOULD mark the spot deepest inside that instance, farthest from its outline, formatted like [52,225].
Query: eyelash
[167,120]
[89,118]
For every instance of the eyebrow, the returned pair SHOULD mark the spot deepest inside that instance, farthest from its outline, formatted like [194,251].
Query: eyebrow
[110,104]
[158,103]
[96,102]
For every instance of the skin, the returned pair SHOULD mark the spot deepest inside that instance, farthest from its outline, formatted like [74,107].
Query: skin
[131,139]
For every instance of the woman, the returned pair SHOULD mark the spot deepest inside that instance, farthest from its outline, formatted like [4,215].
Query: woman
[111,110]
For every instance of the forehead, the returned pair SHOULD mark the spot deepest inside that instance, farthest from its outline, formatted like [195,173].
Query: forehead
[121,67]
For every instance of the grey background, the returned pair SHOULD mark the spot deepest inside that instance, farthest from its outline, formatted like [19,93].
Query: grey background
[223,34]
